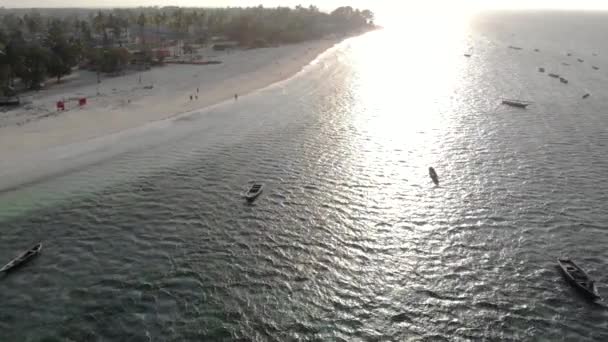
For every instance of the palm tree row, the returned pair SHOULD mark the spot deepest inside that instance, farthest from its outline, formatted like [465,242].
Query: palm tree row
[36,45]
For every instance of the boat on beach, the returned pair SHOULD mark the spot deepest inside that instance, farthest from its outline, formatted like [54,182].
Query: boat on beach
[595,68]
[586,95]
[541,69]
[516,103]
[9,100]
[563,80]
[253,192]
[553,75]
[578,278]
[22,258]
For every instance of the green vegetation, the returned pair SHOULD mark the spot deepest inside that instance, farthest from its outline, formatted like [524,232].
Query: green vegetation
[37,44]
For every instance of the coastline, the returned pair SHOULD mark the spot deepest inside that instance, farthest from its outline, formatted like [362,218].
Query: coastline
[123,102]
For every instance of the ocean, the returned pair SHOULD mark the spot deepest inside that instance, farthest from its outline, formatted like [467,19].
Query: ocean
[147,238]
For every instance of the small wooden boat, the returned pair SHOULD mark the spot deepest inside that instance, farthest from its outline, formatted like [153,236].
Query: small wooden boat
[569,54]
[9,100]
[516,103]
[22,258]
[553,75]
[467,55]
[541,69]
[586,95]
[514,47]
[433,175]
[254,192]
[595,68]
[563,80]
[579,278]
[580,60]
[565,64]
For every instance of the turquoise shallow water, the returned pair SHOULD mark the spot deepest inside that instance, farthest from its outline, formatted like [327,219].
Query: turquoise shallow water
[350,240]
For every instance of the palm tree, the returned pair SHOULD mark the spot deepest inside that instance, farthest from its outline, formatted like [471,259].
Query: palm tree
[99,25]
[141,22]
[368,16]
[159,19]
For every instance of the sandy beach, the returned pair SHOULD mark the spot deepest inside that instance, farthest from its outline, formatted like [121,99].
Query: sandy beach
[123,102]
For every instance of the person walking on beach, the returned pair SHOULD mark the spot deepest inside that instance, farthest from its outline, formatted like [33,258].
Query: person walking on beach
[236,97]
[190,97]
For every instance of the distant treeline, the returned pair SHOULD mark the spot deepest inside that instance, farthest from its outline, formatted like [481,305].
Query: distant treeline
[36,44]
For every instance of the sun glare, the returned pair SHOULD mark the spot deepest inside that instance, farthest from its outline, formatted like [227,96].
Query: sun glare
[404,74]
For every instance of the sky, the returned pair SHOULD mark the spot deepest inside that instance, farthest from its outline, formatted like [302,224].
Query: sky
[323,4]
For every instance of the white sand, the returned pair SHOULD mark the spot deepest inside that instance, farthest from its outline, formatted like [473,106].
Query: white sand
[124,103]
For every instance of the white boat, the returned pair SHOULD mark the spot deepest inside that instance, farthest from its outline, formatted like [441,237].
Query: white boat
[253,192]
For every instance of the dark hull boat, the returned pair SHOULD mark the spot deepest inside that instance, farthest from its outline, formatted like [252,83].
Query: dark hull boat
[434,176]
[254,192]
[516,103]
[9,100]
[578,278]
[22,258]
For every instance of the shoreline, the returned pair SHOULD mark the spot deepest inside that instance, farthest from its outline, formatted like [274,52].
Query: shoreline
[123,102]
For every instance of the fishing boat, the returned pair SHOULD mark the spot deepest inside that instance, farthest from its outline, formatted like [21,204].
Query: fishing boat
[254,192]
[467,55]
[9,100]
[595,68]
[433,175]
[22,258]
[553,75]
[580,60]
[563,80]
[586,95]
[516,103]
[578,278]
